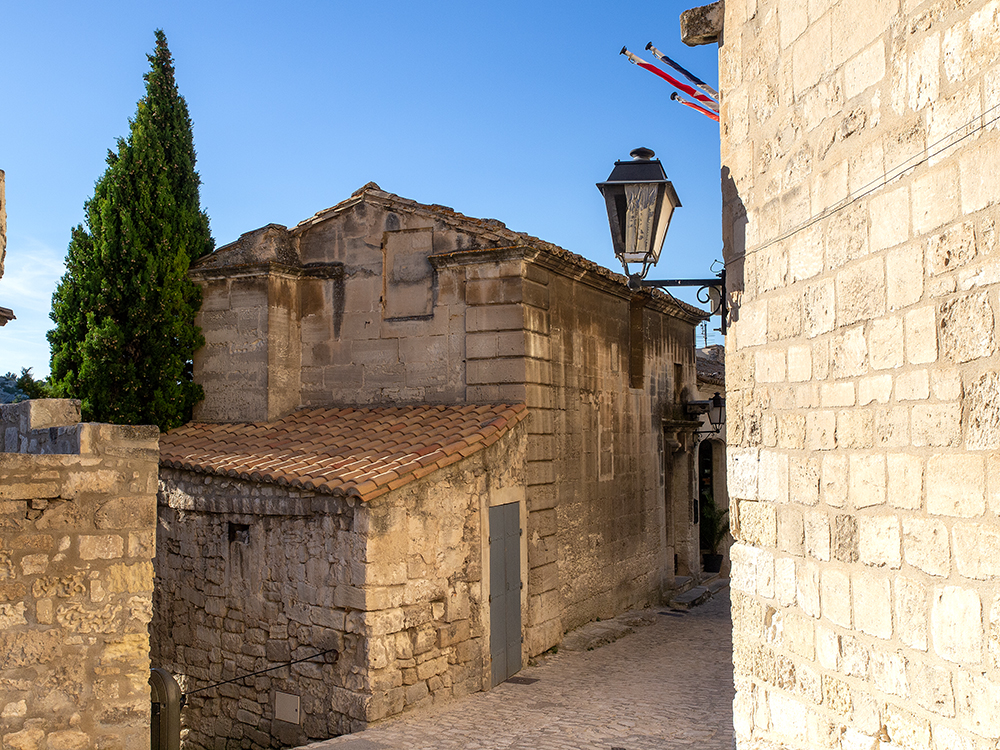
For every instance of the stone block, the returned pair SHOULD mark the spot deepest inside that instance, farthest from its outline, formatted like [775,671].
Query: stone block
[861,292]
[932,689]
[872,604]
[770,366]
[925,545]
[979,182]
[967,327]
[914,385]
[837,394]
[867,480]
[772,482]
[936,424]
[821,430]
[855,428]
[835,596]
[833,480]
[101,547]
[956,485]
[904,271]
[977,698]
[742,472]
[817,535]
[983,399]
[921,335]
[879,541]
[977,550]
[935,199]
[890,218]
[758,524]
[888,673]
[799,363]
[957,624]
[874,389]
[853,656]
[910,607]
[819,308]
[849,354]
[803,480]
[807,587]
[784,581]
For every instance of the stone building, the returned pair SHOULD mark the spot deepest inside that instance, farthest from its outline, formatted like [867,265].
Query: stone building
[77,529]
[859,168]
[408,412]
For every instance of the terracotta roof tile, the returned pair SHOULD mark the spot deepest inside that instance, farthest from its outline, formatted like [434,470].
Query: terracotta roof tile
[363,452]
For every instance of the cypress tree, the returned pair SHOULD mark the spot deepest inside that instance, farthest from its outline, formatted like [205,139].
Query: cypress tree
[124,333]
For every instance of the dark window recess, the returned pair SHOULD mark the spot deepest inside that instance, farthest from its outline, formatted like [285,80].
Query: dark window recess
[239,532]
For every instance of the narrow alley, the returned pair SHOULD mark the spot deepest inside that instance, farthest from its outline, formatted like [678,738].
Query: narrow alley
[666,685]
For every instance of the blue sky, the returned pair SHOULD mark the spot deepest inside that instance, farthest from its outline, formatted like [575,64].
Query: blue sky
[511,111]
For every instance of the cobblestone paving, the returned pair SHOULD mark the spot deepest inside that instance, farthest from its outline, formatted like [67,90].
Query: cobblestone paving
[664,687]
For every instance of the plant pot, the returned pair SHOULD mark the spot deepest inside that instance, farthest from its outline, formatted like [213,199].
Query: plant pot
[712,563]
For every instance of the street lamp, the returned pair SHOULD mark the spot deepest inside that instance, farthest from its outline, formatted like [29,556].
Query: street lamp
[640,202]
[715,407]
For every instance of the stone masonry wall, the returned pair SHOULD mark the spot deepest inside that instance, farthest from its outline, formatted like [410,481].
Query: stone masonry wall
[598,509]
[250,576]
[860,153]
[76,579]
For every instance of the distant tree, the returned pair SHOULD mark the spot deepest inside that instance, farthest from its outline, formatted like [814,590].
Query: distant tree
[17,388]
[124,333]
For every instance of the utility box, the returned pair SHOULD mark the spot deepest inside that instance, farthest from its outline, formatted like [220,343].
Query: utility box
[165,716]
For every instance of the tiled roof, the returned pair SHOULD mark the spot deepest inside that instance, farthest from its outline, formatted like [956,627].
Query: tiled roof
[364,452]
[711,364]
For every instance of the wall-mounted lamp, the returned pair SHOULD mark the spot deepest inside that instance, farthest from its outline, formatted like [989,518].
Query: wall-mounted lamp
[715,407]
[640,202]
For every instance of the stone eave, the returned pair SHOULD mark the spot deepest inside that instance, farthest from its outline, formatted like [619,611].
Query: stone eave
[578,269]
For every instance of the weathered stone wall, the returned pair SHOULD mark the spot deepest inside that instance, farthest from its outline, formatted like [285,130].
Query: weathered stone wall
[860,182]
[608,505]
[250,576]
[76,579]
[411,310]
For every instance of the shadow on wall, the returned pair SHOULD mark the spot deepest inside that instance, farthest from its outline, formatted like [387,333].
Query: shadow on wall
[734,242]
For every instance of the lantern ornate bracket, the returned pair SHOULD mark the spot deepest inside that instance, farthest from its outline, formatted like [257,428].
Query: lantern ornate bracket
[640,202]
[714,407]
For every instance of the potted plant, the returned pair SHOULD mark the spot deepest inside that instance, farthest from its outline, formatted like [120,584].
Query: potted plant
[713,529]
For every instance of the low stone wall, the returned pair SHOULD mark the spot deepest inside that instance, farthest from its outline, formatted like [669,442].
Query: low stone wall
[76,580]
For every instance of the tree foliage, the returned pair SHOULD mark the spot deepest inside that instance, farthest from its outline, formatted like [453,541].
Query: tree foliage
[124,333]
[16,388]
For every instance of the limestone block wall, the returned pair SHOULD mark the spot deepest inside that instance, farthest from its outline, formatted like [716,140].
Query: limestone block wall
[602,522]
[859,156]
[77,532]
[250,576]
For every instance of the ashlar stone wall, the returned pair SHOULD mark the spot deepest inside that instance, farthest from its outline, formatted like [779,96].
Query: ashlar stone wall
[860,152]
[77,532]
[251,576]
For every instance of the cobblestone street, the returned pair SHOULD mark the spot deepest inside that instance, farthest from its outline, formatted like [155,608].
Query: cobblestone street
[667,685]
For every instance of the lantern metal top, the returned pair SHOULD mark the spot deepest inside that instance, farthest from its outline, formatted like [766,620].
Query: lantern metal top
[640,202]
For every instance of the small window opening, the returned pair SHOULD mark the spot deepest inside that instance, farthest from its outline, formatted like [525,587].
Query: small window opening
[239,532]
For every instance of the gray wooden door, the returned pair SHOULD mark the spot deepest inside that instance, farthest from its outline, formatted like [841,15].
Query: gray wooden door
[505,591]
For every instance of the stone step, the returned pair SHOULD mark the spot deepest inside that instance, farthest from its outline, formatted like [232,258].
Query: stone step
[717,585]
[691,598]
